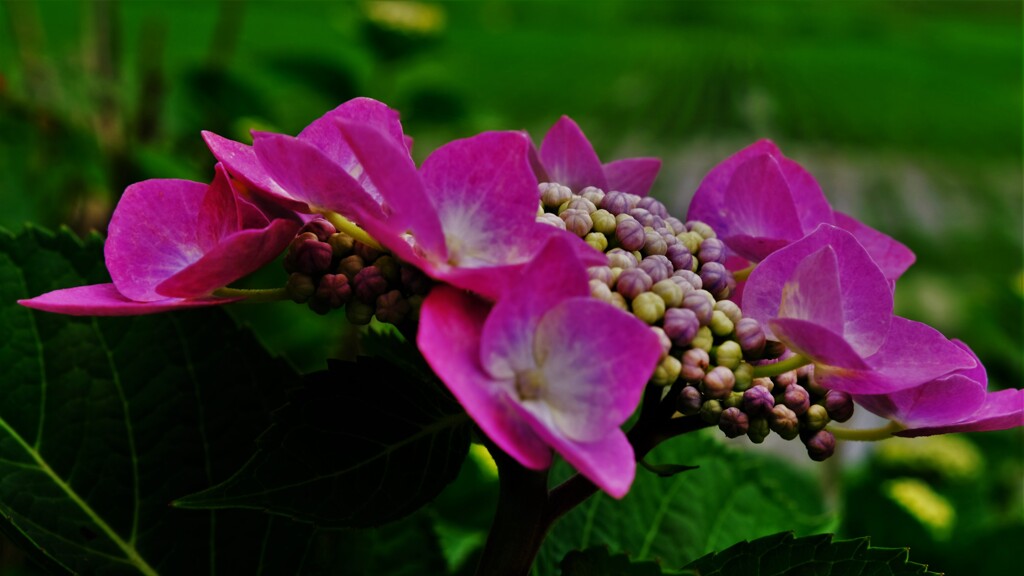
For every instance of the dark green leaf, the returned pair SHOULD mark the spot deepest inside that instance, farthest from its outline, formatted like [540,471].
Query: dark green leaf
[782,554]
[104,421]
[666,470]
[362,444]
[733,496]
[598,561]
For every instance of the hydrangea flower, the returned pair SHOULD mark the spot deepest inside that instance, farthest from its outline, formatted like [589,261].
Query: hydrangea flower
[568,158]
[955,402]
[546,367]
[758,201]
[826,299]
[173,244]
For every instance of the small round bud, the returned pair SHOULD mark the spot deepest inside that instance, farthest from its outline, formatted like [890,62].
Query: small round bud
[553,194]
[690,277]
[643,216]
[675,224]
[764,382]
[652,205]
[320,228]
[783,421]
[689,400]
[733,422]
[308,255]
[648,307]
[786,379]
[619,258]
[691,240]
[711,250]
[758,401]
[711,411]
[341,244]
[633,282]
[595,195]
[744,376]
[773,349]
[701,228]
[670,292]
[600,290]
[367,253]
[734,400]
[796,398]
[388,267]
[839,405]
[604,221]
[577,221]
[695,363]
[728,354]
[300,287]
[413,280]
[758,430]
[350,266]
[631,234]
[657,267]
[721,326]
[702,303]
[717,279]
[551,220]
[369,284]
[334,290]
[601,273]
[816,417]
[654,243]
[663,339]
[750,336]
[616,202]
[821,445]
[597,240]
[359,313]
[618,301]
[667,371]
[581,203]
[730,309]
[392,307]
[703,340]
[680,256]
[718,382]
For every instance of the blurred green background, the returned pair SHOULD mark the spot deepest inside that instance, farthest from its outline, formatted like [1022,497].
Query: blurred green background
[909,114]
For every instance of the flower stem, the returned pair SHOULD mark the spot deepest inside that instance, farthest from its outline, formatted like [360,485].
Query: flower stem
[741,275]
[781,367]
[348,227]
[255,296]
[870,435]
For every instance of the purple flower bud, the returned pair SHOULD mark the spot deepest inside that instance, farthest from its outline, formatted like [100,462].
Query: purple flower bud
[717,279]
[702,303]
[369,284]
[663,339]
[551,220]
[595,195]
[577,221]
[689,400]
[783,421]
[631,234]
[718,382]
[675,224]
[711,250]
[581,203]
[711,411]
[392,307]
[633,282]
[657,267]
[350,266]
[619,258]
[816,417]
[320,228]
[758,401]
[820,445]
[758,430]
[603,274]
[367,253]
[733,422]
[642,216]
[695,362]
[786,379]
[765,383]
[679,256]
[654,243]
[839,405]
[653,206]
[796,398]
[334,290]
[681,325]
[413,280]
[300,287]
[750,335]
[617,203]
[308,255]
[773,349]
[690,277]
[683,285]
[553,194]
[341,244]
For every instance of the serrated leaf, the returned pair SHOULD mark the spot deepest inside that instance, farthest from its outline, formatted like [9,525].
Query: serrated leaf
[598,561]
[104,421]
[362,444]
[783,554]
[732,496]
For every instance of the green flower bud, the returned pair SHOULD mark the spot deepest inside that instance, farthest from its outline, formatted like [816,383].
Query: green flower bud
[730,309]
[388,267]
[654,244]
[711,411]
[618,301]
[359,313]
[728,354]
[701,228]
[692,241]
[670,292]
[744,376]
[758,430]
[553,194]
[703,340]
[734,400]
[300,287]
[597,240]
[720,324]
[341,244]
[604,221]
[351,265]
[595,195]
[667,371]
[718,383]
[816,417]
[600,290]
[764,382]
[784,422]
[648,307]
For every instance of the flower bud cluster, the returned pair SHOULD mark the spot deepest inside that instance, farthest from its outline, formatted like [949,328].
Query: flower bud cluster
[672,275]
[330,269]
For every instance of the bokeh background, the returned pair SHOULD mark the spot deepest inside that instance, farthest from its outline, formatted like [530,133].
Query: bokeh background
[909,114]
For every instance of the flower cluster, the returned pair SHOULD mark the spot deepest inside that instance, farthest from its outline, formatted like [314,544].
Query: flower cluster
[549,292]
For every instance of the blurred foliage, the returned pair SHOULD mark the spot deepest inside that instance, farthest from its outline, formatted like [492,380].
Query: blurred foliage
[908,113]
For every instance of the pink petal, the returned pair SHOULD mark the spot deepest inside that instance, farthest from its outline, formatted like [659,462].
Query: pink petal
[1002,410]
[235,257]
[449,338]
[915,353]
[827,349]
[219,214]
[891,256]
[241,162]
[758,203]
[105,300]
[152,235]
[708,204]
[632,175]
[569,158]
[945,400]
[812,292]
[812,207]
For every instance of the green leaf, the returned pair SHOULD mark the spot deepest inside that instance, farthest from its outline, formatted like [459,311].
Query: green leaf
[597,561]
[104,421]
[782,554]
[733,496]
[363,443]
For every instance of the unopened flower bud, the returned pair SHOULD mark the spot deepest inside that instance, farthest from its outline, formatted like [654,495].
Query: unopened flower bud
[619,258]
[783,421]
[334,290]
[654,243]
[633,282]
[657,267]
[750,336]
[630,233]
[701,228]
[643,217]
[717,279]
[595,195]
[600,290]
[839,405]
[388,267]
[597,240]
[366,252]
[821,445]
[758,401]
[711,250]
[341,244]
[733,422]
[734,400]
[744,376]
[308,255]
[758,430]
[764,382]
[359,313]
[300,287]
[773,349]
[320,228]
[695,363]
[711,411]
[616,203]
[577,221]
[675,224]
[663,339]
[690,277]
[350,266]
[691,240]
[413,280]
[702,303]
[369,284]
[796,398]
[648,307]
[816,417]
[785,379]
[604,221]
[652,205]
[721,326]
[392,307]
[667,371]
[730,309]
[680,256]
[689,400]
[728,354]
[704,339]
[685,286]
[551,220]
[603,274]
[718,382]
[618,301]
[670,292]
[553,194]
[581,203]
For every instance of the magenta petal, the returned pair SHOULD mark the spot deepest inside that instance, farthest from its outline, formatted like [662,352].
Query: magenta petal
[824,347]
[1002,410]
[219,214]
[759,203]
[915,353]
[152,235]
[891,256]
[942,401]
[632,175]
[241,162]
[811,293]
[449,338]
[812,208]
[708,202]
[105,300]
[236,256]
[569,158]
[752,248]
